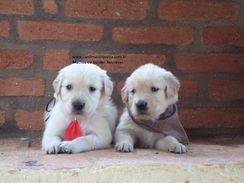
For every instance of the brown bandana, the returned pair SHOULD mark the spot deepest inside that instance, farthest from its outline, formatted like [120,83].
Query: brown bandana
[167,124]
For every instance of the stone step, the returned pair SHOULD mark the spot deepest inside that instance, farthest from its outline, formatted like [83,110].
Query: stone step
[220,160]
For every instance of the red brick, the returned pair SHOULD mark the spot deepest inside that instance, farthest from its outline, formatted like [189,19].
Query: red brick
[121,63]
[15,59]
[55,59]
[189,88]
[107,9]
[2,118]
[4,29]
[197,10]
[21,87]
[222,89]
[153,35]
[22,7]
[49,30]
[212,117]
[50,6]
[213,62]
[119,85]
[223,35]
[29,120]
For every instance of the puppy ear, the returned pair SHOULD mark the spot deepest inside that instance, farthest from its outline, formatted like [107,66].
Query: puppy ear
[124,94]
[57,84]
[172,85]
[107,85]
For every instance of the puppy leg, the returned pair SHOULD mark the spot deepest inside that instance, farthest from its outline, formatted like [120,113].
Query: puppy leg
[171,144]
[52,137]
[124,142]
[85,143]
[50,143]
[99,138]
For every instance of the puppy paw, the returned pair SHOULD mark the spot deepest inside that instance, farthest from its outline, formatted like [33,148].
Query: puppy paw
[177,148]
[171,144]
[52,148]
[124,147]
[68,147]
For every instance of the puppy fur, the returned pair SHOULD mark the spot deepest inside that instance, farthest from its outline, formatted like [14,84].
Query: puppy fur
[159,89]
[85,84]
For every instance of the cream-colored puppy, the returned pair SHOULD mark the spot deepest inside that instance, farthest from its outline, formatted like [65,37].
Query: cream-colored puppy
[147,93]
[82,92]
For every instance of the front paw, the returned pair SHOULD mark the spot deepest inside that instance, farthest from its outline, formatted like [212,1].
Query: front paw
[177,148]
[124,147]
[171,144]
[52,148]
[68,147]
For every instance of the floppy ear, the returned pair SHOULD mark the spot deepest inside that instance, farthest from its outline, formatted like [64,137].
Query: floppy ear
[124,94]
[172,85]
[57,84]
[107,85]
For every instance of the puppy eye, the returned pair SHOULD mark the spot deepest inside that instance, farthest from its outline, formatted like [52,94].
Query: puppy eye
[133,91]
[92,89]
[154,89]
[69,87]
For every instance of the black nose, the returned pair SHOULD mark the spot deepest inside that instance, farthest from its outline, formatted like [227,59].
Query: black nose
[78,105]
[141,105]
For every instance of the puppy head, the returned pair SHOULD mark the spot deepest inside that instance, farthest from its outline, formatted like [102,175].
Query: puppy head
[149,91]
[82,88]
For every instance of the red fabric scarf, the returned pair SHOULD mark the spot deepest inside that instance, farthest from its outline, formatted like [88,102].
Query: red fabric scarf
[73,131]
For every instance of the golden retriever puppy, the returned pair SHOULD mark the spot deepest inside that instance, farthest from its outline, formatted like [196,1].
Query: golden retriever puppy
[150,118]
[82,92]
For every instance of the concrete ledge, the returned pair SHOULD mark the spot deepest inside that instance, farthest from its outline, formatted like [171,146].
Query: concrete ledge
[22,161]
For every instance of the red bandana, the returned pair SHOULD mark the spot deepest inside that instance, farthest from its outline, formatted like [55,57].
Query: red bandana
[73,131]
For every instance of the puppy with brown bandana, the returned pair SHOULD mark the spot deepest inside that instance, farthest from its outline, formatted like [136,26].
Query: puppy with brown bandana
[150,119]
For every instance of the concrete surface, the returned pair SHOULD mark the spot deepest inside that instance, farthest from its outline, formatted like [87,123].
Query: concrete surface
[207,161]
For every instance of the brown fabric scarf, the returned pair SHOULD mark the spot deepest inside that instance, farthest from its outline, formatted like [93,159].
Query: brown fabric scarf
[167,124]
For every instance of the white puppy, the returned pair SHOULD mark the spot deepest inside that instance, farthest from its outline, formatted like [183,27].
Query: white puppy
[82,92]
[148,93]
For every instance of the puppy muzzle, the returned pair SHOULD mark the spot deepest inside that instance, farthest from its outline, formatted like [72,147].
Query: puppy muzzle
[141,107]
[78,106]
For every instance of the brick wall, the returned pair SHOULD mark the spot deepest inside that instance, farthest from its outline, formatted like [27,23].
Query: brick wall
[201,42]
